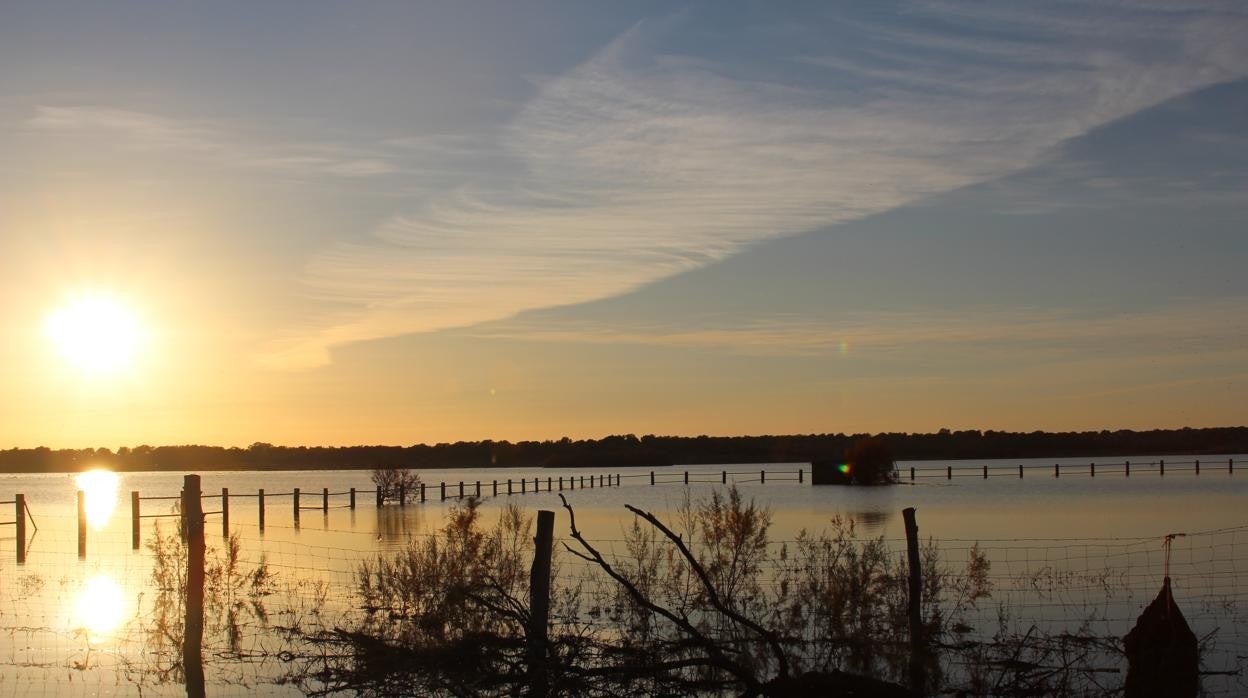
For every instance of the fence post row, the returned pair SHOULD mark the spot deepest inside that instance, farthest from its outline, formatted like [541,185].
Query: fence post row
[82,525]
[914,607]
[20,521]
[193,529]
[134,519]
[539,600]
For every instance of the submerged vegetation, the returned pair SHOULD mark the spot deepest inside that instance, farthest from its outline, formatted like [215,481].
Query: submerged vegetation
[703,603]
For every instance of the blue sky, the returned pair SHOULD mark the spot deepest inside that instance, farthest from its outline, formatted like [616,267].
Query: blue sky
[404,222]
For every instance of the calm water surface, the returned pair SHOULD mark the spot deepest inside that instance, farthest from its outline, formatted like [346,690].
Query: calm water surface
[77,625]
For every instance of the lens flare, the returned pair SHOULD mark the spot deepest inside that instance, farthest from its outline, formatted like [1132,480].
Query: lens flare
[843,468]
[99,489]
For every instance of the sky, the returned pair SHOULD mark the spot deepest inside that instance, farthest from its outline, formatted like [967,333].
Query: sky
[353,223]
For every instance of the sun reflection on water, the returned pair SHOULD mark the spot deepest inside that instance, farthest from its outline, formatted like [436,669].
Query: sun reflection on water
[99,489]
[100,607]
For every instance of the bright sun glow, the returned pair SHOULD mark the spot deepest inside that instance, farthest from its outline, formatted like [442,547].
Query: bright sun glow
[99,490]
[100,607]
[95,333]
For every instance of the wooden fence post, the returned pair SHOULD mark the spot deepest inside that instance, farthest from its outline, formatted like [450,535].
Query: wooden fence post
[442,490]
[325,501]
[379,494]
[1197,466]
[296,506]
[1057,472]
[799,475]
[20,521]
[1230,465]
[82,525]
[686,477]
[651,477]
[539,601]
[496,488]
[260,507]
[524,485]
[1092,469]
[1127,468]
[351,502]
[478,489]
[134,519]
[914,606]
[225,512]
[192,644]
[948,472]
[1020,471]
[985,472]
[508,485]
[461,489]
[762,476]
[1163,466]
[560,483]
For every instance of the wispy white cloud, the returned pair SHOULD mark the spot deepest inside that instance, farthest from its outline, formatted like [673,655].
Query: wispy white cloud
[213,142]
[1213,326]
[637,165]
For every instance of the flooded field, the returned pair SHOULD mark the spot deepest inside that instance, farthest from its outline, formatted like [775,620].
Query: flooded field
[1068,551]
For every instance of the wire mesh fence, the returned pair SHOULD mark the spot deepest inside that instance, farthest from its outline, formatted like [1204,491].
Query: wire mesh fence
[111,622]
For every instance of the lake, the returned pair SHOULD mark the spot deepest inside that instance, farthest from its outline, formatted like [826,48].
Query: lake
[1064,550]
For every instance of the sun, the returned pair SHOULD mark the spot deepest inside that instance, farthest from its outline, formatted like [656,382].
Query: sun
[95,333]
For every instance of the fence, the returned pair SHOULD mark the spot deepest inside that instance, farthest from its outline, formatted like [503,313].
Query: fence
[1094,585]
[1089,469]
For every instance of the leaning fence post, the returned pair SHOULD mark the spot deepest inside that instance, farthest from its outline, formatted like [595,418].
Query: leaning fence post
[225,512]
[192,645]
[134,519]
[20,521]
[82,525]
[914,607]
[539,601]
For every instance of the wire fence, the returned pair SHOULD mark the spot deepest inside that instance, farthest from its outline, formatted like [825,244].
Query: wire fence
[111,623]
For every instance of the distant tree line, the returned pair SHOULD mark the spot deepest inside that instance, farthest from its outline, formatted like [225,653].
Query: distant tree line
[633,451]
